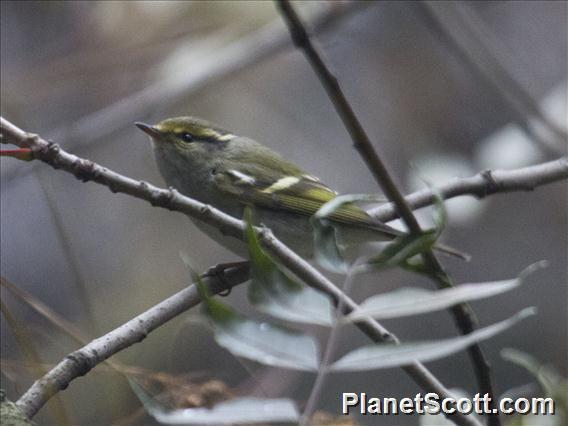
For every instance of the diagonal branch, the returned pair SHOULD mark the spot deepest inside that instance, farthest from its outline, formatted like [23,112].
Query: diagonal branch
[81,361]
[462,313]
[85,170]
[163,93]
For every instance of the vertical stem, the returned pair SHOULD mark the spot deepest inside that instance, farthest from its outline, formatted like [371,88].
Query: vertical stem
[331,343]
[463,314]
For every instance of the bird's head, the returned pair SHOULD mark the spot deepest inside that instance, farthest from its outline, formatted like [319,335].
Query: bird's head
[187,149]
[187,137]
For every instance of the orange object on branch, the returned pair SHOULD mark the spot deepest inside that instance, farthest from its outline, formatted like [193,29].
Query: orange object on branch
[24,154]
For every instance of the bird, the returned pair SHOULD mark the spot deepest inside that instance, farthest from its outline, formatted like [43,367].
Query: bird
[229,172]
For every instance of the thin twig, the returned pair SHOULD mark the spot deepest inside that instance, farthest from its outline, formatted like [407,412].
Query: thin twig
[328,352]
[171,199]
[45,311]
[25,343]
[81,361]
[462,313]
[70,330]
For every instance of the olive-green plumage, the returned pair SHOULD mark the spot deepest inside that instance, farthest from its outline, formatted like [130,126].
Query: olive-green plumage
[229,172]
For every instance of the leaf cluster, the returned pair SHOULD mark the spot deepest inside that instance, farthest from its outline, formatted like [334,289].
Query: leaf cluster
[274,291]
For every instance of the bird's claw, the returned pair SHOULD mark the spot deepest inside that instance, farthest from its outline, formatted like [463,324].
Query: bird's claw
[218,271]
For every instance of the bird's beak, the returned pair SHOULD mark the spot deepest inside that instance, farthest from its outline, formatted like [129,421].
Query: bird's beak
[149,130]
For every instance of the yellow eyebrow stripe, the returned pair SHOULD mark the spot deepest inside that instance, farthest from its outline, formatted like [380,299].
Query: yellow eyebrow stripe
[198,133]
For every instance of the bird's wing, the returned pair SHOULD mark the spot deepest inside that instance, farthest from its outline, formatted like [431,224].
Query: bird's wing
[303,195]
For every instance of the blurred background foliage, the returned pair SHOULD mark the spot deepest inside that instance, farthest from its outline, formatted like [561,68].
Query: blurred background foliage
[82,72]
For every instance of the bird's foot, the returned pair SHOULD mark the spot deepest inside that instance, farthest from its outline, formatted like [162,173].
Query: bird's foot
[219,271]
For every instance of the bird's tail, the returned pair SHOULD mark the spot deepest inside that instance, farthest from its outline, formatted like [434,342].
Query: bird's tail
[357,235]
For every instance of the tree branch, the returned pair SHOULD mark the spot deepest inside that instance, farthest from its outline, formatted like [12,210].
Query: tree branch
[483,184]
[464,316]
[86,170]
[83,360]
[163,93]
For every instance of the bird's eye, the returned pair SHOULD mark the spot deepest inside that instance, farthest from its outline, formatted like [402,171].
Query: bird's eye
[186,137]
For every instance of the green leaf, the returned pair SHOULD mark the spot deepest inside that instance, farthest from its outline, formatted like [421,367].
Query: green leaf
[262,263]
[386,356]
[282,299]
[274,292]
[327,249]
[399,251]
[416,265]
[268,344]
[440,214]
[548,379]
[214,308]
[554,385]
[402,251]
[259,341]
[235,411]
[414,301]
[219,312]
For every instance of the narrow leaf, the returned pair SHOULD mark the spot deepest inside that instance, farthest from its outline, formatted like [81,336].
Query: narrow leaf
[386,356]
[263,265]
[219,312]
[400,250]
[298,304]
[236,411]
[268,344]
[440,214]
[327,249]
[260,341]
[403,249]
[416,265]
[274,292]
[414,301]
[548,379]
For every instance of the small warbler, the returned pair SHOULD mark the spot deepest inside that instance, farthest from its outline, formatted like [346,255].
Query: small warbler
[229,172]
